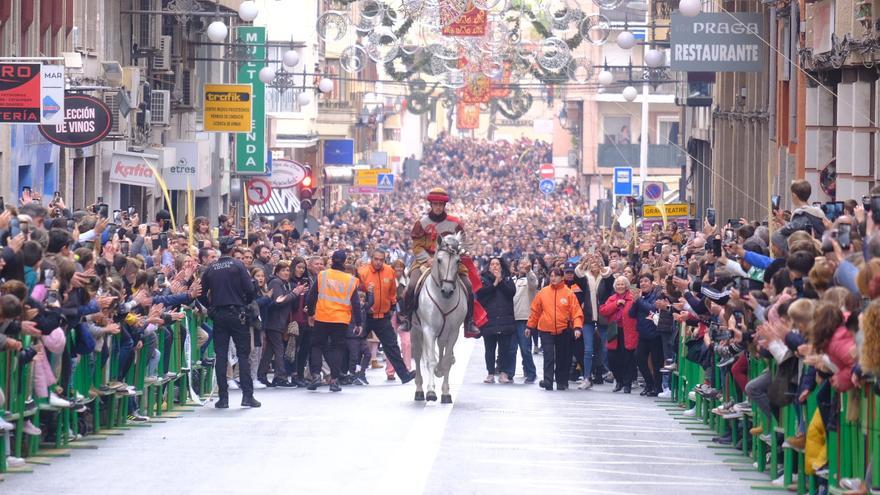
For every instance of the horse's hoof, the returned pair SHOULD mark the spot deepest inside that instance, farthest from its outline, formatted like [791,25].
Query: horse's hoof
[420,396]
[446,399]
[431,397]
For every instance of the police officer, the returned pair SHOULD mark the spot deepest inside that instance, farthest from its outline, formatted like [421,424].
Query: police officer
[333,303]
[228,289]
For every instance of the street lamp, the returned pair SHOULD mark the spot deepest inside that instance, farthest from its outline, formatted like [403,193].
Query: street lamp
[563,118]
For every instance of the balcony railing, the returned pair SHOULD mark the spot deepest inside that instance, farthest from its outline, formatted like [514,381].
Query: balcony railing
[627,155]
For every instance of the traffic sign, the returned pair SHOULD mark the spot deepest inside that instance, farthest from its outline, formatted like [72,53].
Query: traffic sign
[653,191]
[385,183]
[258,191]
[547,171]
[623,185]
[547,186]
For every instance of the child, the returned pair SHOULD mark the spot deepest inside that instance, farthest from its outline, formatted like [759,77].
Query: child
[358,348]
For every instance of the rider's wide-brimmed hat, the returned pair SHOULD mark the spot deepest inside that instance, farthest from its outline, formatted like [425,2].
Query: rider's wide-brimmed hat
[437,194]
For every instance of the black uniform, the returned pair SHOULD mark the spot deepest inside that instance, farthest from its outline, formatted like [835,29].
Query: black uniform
[228,290]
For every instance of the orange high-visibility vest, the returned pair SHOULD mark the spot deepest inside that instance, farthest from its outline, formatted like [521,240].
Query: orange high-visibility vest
[335,289]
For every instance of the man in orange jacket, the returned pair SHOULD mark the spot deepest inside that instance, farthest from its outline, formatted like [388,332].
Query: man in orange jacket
[379,279]
[555,312]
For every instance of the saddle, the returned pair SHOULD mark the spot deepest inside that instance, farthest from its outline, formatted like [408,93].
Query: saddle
[426,272]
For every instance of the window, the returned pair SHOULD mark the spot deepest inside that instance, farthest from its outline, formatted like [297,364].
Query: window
[667,130]
[391,134]
[617,129]
[50,179]
[86,22]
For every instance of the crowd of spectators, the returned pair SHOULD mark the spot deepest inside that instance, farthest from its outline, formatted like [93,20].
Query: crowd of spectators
[800,293]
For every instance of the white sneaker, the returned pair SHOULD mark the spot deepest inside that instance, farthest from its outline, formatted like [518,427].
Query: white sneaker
[489,379]
[56,401]
[690,412]
[30,429]
[232,384]
[258,385]
[585,385]
[666,394]
[692,395]
[6,425]
[14,462]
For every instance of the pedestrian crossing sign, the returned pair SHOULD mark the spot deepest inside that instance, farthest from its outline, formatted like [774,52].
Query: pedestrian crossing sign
[385,183]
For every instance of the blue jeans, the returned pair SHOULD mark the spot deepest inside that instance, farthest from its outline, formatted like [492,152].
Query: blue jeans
[590,329]
[525,348]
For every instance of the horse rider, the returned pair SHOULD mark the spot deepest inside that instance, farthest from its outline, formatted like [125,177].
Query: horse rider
[426,235]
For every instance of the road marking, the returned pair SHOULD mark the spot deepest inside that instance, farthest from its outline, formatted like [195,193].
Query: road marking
[414,457]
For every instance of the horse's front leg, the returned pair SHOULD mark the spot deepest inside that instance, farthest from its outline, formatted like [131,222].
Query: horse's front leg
[430,350]
[417,343]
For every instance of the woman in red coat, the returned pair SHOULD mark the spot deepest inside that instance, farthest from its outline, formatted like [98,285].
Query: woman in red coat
[622,347]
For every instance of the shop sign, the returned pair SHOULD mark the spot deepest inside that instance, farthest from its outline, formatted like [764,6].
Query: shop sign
[86,121]
[133,169]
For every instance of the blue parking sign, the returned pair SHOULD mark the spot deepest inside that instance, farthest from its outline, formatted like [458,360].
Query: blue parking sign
[623,181]
[547,186]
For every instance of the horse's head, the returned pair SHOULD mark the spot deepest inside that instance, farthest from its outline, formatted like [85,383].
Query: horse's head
[446,263]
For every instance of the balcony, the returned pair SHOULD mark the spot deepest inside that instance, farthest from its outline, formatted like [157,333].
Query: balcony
[627,155]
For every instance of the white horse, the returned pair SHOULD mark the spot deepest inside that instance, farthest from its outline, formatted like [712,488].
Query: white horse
[442,307]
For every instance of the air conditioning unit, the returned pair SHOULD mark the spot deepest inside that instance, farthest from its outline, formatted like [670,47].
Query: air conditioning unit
[160,107]
[186,87]
[119,125]
[162,57]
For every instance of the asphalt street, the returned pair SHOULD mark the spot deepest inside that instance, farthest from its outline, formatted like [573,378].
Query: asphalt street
[494,439]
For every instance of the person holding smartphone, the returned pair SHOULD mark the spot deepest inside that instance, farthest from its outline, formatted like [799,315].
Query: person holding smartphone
[804,214]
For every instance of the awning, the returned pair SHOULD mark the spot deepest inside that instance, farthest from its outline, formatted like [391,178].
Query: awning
[295,140]
[281,201]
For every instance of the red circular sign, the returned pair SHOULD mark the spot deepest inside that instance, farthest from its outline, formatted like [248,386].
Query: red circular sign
[258,191]
[547,171]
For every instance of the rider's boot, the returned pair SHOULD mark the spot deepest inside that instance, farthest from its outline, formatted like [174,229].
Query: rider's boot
[405,314]
[471,330]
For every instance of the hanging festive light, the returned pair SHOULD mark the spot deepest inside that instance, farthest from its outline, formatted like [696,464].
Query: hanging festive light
[606,77]
[626,40]
[690,8]
[630,93]
[303,99]
[248,11]
[217,32]
[266,75]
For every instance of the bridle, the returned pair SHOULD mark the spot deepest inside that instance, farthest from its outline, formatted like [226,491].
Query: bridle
[450,268]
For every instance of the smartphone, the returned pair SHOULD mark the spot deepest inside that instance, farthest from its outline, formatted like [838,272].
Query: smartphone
[710,216]
[658,248]
[2,204]
[100,200]
[866,203]
[729,235]
[875,209]
[716,246]
[775,200]
[131,211]
[48,276]
[817,204]
[124,247]
[734,223]
[681,272]
[710,270]
[843,235]
[103,210]
[24,228]
[163,240]
[117,216]
[738,316]
[52,298]
[160,279]
[25,189]
[743,285]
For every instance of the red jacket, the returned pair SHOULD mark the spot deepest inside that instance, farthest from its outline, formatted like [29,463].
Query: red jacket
[625,323]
